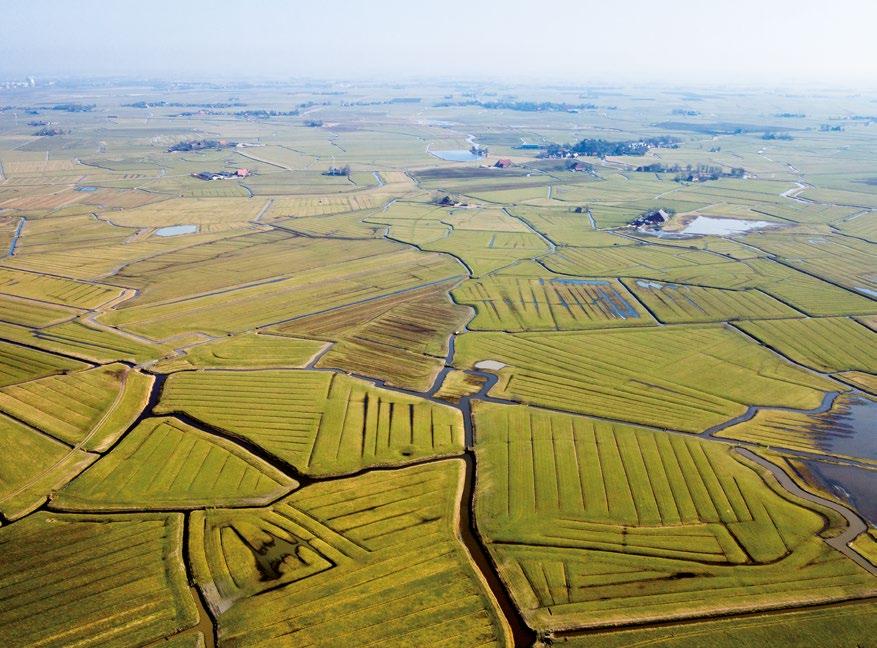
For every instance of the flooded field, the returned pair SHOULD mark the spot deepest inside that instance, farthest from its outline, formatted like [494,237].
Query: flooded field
[850,429]
[176,230]
[852,484]
[722,226]
[460,155]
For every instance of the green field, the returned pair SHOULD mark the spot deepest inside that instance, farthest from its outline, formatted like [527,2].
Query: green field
[165,463]
[377,550]
[138,597]
[681,378]
[88,408]
[841,625]
[550,303]
[320,422]
[593,523]
[363,395]
[19,364]
[825,344]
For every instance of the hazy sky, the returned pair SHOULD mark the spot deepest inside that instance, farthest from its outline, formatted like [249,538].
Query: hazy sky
[718,41]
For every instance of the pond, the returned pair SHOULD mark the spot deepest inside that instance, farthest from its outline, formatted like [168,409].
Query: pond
[853,484]
[722,226]
[850,428]
[460,155]
[175,230]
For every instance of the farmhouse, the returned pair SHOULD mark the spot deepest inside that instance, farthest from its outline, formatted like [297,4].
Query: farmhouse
[503,163]
[221,175]
[652,219]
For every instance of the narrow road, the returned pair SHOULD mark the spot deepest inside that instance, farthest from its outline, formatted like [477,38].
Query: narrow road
[792,194]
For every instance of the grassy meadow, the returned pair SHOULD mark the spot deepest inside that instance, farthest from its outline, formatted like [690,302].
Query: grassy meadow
[364,395]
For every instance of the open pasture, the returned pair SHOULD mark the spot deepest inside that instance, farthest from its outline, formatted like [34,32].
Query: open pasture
[120,198]
[272,389]
[485,251]
[320,422]
[865,381]
[336,283]
[566,227]
[861,223]
[245,258]
[31,313]
[380,551]
[209,214]
[95,344]
[39,199]
[165,463]
[685,378]
[88,408]
[826,344]
[597,524]
[100,258]
[799,431]
[806,292]
[458,384]
[649,261]
[677,303]
[840,625]
[248,350]
[513,303]
[64,292]
[401,339]
[19,364]
[414,222]
[840,259]
[32,465]
[343,225]
[138,597]
[55,236]
[285,183]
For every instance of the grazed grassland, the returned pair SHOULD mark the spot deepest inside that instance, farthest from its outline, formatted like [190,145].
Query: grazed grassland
[96,345]
[841,625]
[336,283]
[677,303]
[55,289]
[245,351]
[378,551]
[507,303]
[401,339]
[297,390]
[165,463]
[826,344]
[88,408]
[32,465]
[26,312]
[593,524]
[815,433]
[18,364]
[320,422]
[686,378]
[138,597]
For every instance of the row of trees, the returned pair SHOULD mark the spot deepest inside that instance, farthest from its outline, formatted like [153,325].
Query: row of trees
[602,148]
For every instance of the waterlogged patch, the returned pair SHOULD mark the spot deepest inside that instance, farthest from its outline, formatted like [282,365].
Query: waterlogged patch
[490,365]
[722,226]
[176,230]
